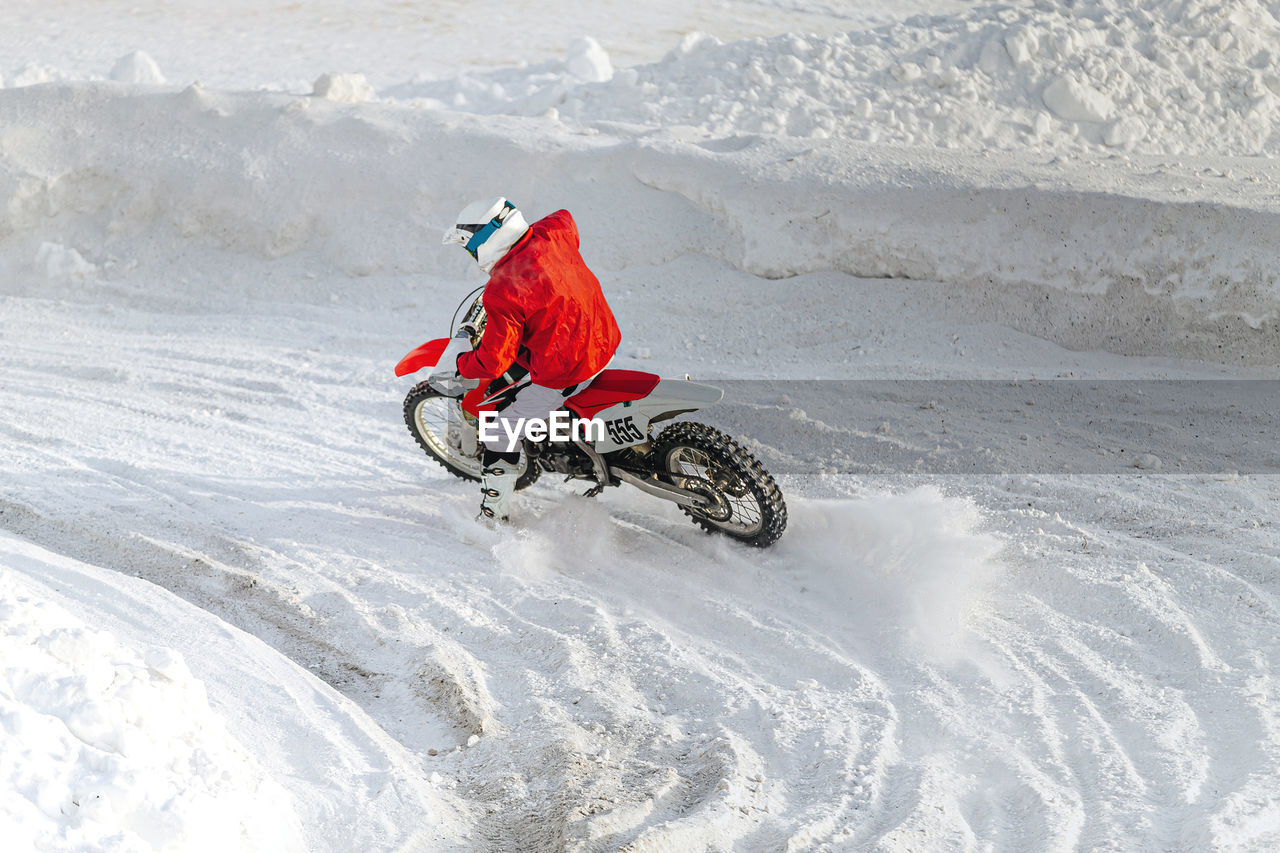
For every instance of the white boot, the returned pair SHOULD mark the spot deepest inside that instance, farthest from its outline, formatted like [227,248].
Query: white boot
[499,482]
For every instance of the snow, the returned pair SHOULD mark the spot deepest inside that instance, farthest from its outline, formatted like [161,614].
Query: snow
[126,727]
[57,261]
[1119,258]
[344,88]
[1154,77]
[114,747]
[137,67]
[1074,100]
[240,610]
[246,44]
[588,61]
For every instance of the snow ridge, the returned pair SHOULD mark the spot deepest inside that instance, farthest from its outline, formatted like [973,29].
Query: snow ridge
[1088,257]
[112,748]
[1155,77]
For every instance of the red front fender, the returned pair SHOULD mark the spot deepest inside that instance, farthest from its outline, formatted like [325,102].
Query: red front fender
[427,355]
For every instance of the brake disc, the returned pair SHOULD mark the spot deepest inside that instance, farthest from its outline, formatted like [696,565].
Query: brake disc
[716,508]
[730,484]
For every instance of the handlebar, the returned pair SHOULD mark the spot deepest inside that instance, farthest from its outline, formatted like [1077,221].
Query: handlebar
[474,317]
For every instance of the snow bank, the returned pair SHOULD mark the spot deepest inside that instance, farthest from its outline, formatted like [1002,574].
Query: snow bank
[1088,254]
[1156,76]
[108,747]
[523,90]
[1170,77]
[131,719]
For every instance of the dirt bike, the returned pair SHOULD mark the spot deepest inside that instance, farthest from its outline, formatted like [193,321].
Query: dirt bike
[716,482]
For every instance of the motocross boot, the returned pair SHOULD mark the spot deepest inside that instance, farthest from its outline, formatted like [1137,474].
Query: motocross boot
[498,484]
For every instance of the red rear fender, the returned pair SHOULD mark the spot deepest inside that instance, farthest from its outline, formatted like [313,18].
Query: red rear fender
[427,355]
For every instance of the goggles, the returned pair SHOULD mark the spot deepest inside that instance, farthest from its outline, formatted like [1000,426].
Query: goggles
[472,237]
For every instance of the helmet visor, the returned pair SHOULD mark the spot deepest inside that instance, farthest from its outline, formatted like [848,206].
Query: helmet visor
[460,234]
[472,237]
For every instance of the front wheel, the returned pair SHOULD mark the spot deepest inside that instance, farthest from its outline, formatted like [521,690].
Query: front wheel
[743,501]
[448,435]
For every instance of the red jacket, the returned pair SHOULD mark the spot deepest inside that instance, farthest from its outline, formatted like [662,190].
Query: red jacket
[545,311]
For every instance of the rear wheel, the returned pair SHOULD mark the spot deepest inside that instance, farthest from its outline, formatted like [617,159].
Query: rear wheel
[743,501]
[448,435]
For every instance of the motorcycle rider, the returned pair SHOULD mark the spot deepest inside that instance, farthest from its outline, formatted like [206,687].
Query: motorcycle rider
[545,312]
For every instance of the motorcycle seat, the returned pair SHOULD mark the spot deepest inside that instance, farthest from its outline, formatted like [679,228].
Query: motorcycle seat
[610,388]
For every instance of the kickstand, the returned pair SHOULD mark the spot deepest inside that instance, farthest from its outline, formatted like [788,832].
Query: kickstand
[593,491]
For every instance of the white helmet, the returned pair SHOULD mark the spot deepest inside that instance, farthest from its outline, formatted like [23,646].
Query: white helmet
[487,229]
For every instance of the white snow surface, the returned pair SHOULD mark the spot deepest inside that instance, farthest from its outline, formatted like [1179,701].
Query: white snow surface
[126,727]
[1168,77]
[248,44]
[1153,76]
[137,67]
[239,608]
[111,747]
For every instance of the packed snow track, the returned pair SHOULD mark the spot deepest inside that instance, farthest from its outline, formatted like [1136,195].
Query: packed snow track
[941,663]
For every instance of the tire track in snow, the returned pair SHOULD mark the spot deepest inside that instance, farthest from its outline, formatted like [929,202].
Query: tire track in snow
[1141,649]
[863,652]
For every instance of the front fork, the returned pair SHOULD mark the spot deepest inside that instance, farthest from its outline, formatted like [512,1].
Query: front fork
[469,437]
